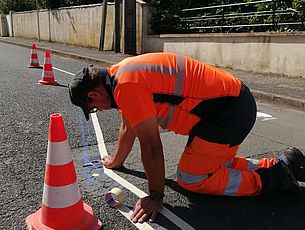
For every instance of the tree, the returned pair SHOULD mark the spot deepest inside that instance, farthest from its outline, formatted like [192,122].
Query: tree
[16,5]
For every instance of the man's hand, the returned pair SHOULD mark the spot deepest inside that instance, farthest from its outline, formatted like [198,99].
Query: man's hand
[146,207]
[108,162]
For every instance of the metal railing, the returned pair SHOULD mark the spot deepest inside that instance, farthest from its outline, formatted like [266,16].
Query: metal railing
[240,17]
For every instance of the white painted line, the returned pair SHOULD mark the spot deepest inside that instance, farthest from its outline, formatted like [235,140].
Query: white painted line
[60,70]
[99,136]
[127,213]
[264,116]
[103,152]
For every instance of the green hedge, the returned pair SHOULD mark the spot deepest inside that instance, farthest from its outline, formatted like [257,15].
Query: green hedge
[167,15]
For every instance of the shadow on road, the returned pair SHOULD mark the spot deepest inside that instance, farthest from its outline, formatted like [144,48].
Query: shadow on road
[277,211]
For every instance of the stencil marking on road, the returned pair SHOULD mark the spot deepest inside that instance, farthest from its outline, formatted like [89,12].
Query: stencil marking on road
[264,116]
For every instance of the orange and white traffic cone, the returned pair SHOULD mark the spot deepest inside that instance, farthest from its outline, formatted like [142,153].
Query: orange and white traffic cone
[47,73]
[62,204]
[34,62]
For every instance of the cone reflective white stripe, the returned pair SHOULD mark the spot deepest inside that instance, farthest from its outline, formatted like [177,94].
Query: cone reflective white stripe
[60,153]
[34,61]
[47,61]
[61,197]
[48,74]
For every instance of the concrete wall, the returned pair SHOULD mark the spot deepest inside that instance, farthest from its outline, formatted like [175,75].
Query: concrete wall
[44,25]
[25,24]
[80,25]
[282,53]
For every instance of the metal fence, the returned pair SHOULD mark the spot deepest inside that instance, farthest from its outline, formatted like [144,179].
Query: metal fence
[252,16]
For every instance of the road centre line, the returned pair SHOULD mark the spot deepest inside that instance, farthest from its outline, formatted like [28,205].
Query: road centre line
[123,209]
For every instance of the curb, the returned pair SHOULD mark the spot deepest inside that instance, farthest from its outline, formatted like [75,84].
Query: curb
[259,95]
[279,99]
[63,53]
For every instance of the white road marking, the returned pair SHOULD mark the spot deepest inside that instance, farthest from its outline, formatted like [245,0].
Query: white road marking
[60,70]
[123,209]
[103,152]
[264,116]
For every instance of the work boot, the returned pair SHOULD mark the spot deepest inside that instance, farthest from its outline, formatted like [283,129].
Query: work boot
[295,160]
[278,178]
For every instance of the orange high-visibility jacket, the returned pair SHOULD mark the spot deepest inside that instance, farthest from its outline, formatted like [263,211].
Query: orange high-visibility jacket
[177,89]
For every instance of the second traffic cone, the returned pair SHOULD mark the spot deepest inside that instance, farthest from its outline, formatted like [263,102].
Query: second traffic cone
[62,204]
[47,73]
[34,62]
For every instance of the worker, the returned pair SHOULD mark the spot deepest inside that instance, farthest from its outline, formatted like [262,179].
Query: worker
[214,108]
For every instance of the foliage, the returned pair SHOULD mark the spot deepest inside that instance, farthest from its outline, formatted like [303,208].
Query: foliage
[168,17]
[17,5]
[23,5]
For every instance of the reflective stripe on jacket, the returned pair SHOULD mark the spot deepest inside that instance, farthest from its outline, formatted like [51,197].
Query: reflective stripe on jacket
[181,88]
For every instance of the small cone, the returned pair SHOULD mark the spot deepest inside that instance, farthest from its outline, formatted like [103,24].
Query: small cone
[47,73]
[62,205]
[34,62]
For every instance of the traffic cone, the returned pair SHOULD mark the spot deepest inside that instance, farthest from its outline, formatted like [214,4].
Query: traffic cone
[47,73]
[34,62]
[62,205]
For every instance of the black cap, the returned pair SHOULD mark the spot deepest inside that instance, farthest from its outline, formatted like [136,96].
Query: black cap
[79,87]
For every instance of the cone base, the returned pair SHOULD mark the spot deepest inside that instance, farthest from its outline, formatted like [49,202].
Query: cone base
[35,67]
[90,221]
[42,82]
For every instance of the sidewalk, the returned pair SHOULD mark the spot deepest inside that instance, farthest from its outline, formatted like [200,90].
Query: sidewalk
[289,91]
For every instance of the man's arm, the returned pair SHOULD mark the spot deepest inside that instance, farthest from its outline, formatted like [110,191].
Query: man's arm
[152,153]
[125,142]
[153,162]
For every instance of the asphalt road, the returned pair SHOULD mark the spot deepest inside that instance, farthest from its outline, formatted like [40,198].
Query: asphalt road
[25,109]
